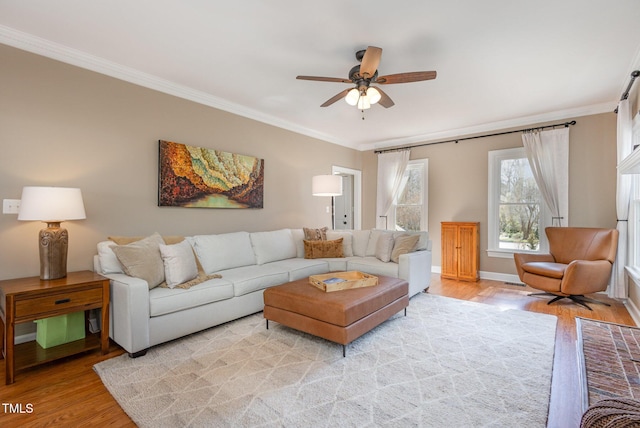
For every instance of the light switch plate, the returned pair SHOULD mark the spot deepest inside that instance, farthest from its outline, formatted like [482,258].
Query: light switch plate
[10,206]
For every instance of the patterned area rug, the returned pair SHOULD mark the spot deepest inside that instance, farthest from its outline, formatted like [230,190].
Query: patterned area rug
[448,363]
[610,357]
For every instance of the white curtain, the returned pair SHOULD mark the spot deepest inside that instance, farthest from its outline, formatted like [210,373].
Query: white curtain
[618,287]
[548,154]
[391,168]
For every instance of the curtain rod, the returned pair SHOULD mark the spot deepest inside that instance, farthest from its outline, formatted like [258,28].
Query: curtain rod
[565,124]
[625,95]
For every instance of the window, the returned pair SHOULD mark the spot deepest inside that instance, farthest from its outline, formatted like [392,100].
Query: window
[517,215]
[634,208]
[410,209]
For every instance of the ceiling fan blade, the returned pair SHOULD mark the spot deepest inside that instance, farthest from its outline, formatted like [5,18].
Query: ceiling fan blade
[324,79]
[385,100]
[370,62]
[335,98]
[415,76]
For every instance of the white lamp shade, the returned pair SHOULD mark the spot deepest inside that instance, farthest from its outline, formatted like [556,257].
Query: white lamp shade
[374,95]
[51,204]
[352,97]
[326,185]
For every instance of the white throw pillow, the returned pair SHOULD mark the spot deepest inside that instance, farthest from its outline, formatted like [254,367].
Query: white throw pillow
[179,263]
[384,246]
[373,241]
[108,261]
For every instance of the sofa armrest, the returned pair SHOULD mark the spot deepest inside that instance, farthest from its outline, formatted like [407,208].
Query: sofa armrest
[129,317]
[415,268]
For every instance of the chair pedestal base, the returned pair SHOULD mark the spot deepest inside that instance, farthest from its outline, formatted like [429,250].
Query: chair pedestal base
[576,298]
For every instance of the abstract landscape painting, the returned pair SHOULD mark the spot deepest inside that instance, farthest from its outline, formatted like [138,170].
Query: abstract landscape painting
[199,177]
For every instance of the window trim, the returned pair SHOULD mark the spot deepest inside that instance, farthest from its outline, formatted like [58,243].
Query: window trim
[493,220]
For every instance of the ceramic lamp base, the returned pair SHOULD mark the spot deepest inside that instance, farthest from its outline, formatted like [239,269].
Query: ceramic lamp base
[53,251]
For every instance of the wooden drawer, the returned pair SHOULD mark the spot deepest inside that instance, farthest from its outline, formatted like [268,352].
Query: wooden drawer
[59,302]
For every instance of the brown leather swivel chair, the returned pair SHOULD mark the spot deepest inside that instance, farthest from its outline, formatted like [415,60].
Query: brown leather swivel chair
[579,263]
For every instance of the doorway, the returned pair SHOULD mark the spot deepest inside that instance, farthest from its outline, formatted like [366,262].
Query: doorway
[347,207]
[343,205]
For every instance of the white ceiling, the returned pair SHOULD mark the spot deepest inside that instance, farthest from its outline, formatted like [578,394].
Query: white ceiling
[500,63]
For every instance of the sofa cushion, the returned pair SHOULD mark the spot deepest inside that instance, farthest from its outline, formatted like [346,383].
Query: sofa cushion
[248,279]
[224,251]
[298,238]
[273,245]
[373,266]
[166,300]
[403,244]
[384,246]
[347,240]
[302,268]
[142,259]
[320,249]
[179,263]
[360,241]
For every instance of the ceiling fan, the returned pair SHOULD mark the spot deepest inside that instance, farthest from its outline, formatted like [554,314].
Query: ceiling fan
[366,74]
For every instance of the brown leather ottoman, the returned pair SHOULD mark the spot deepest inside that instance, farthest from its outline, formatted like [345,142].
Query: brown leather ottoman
[339,316]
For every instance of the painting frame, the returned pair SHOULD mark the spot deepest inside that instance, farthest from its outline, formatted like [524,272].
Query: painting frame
[199,177]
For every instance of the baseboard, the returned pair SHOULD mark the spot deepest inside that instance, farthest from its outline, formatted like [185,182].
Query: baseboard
[633,310]
[23,338]
[494,276]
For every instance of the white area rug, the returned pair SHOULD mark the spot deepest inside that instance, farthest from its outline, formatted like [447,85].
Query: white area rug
[448,363]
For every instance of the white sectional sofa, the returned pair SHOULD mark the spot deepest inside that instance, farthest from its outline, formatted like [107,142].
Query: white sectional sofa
[248,263]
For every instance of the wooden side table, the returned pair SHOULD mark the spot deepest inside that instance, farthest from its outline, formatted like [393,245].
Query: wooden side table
[28,299]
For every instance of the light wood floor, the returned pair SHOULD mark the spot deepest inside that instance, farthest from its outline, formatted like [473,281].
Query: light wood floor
[69,393]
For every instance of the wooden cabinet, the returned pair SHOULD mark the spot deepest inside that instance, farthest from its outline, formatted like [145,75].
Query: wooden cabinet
[460,250]
[28,299]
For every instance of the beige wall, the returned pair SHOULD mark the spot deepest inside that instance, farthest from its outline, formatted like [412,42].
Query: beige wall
[458,181]
[64,126]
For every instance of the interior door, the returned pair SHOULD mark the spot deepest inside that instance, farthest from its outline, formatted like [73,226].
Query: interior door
[343,205]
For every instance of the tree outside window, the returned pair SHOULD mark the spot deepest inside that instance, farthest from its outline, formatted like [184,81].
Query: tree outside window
[519,206]
[410,206]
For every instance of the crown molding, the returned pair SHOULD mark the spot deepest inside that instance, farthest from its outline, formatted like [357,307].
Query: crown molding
[56,51]
[491,127]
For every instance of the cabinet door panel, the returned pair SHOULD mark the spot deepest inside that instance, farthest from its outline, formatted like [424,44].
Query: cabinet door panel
[449,239]
[467,260]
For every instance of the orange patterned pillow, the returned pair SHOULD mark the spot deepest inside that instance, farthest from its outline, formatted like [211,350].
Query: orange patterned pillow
[322,249]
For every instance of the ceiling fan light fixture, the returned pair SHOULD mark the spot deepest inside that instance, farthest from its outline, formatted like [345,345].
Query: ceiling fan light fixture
[374,95]
[352,97]
[364,103]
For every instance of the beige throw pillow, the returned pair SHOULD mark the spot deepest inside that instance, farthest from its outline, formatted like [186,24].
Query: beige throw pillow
[322,249]
[179,263]
[142,259]
[404,244]
[384,246]
[315,234]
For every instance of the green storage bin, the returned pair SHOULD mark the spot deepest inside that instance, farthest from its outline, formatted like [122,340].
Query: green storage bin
[61,329]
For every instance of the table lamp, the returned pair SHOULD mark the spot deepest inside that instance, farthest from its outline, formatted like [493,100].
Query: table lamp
[52,205]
